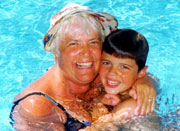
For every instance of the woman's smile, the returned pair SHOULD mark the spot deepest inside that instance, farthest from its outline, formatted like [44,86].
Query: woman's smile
[84,65]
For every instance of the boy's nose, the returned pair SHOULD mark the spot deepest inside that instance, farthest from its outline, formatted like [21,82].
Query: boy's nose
[113,71]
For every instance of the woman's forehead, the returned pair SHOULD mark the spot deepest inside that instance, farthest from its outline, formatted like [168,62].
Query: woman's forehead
[78,30]
[81,27]
[81,35]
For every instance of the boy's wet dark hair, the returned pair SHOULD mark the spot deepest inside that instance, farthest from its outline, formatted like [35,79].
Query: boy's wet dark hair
[127,43]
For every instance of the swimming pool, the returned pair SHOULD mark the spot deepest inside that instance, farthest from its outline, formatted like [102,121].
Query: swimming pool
[23,60]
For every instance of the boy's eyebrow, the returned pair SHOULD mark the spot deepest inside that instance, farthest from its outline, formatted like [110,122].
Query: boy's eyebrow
[126,64]
[104,58]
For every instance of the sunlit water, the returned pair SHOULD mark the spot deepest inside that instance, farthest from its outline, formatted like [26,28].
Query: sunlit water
[23,60]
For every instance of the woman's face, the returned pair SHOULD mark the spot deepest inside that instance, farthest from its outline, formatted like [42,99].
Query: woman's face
[80,55]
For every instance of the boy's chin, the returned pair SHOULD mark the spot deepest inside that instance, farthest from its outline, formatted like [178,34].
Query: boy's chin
[112,92]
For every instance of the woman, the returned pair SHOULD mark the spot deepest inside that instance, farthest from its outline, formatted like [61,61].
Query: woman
[60,99]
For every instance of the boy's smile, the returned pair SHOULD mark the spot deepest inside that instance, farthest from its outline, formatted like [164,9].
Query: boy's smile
[112,83]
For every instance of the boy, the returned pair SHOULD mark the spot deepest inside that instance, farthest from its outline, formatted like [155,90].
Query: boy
[123,62]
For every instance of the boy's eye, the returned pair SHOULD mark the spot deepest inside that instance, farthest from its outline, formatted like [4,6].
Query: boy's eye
[125,67]
[105,62]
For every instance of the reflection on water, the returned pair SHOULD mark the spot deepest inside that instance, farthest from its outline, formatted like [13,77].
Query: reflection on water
[22,59]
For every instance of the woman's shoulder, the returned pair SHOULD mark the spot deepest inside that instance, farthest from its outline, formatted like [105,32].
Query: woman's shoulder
[33,98]
[36,105]
[34,108]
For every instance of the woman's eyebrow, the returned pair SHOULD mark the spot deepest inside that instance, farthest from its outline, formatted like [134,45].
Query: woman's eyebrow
[95,39]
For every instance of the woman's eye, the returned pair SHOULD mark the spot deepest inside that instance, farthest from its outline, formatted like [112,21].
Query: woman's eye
[95,42]
[72,43]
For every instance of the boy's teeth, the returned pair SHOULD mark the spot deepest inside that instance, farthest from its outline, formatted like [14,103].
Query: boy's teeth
[112,82]
[88,64]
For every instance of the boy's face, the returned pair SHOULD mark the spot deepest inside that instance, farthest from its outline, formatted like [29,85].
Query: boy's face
[118,74]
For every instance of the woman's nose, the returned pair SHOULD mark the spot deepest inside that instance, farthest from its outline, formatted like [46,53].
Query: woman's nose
[85,50]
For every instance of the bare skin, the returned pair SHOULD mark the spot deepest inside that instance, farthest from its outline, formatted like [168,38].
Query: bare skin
[48,86]
[68,83]
[40,107]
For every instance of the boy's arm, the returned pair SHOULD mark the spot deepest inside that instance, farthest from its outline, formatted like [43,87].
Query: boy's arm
[129,104]
[119,116]
[109,99]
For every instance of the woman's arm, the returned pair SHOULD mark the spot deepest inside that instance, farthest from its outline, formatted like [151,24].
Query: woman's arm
[144,92]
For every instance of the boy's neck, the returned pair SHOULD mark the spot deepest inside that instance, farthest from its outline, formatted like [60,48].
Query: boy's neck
[124,95]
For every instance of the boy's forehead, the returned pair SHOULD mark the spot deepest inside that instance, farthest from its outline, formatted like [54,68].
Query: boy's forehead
[118,59]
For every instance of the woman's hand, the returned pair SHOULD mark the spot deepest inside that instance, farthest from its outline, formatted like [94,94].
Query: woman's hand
[143,91]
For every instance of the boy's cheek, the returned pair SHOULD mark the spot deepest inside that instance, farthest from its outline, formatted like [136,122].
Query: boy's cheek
[101,72]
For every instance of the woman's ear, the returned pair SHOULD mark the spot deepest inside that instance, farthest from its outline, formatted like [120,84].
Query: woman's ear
[142,72]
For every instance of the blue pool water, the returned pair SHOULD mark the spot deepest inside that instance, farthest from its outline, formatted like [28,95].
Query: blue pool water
[23,60]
